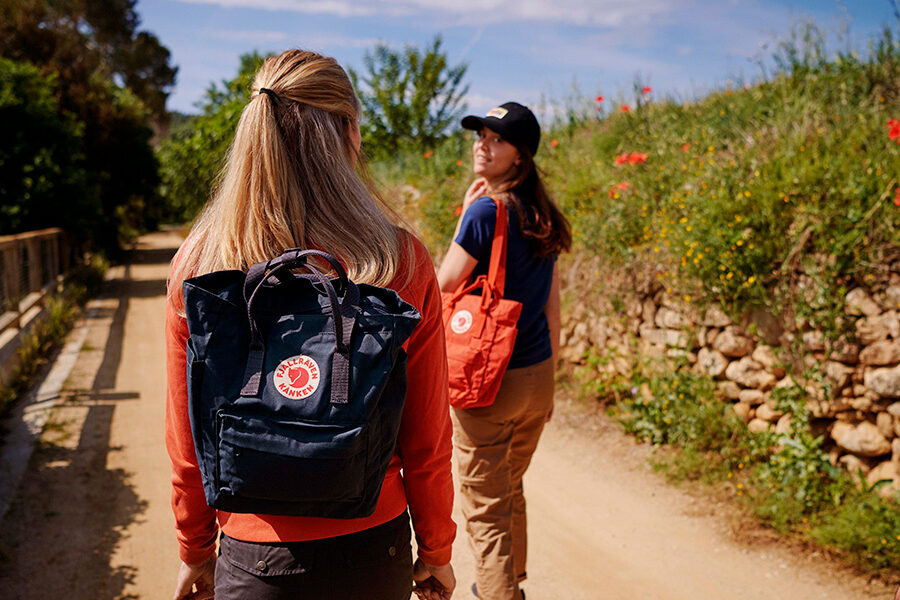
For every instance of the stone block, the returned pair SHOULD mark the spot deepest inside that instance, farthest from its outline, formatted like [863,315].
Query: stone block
[863,439]
[884,381]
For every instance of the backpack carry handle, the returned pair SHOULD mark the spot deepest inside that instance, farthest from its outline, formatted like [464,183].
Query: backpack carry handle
[343,316]
[292,258]
[296,258]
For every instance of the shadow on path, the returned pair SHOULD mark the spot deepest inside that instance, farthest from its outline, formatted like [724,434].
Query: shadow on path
[71,511]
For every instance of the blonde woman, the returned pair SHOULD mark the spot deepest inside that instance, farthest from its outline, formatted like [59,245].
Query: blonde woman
[291,181]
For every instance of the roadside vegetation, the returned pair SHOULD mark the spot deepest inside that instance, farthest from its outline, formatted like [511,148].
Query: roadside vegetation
[82,93]
[62,310]
[786,480]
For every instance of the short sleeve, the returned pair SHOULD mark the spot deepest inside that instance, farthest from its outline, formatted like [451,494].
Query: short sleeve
[476,232]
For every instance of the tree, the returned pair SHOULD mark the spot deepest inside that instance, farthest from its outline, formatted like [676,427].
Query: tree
[409,97]
[78,38]
[94,54]
[40,158]
[192,157]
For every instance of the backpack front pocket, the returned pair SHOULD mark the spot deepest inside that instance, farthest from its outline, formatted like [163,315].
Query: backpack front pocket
[283,460]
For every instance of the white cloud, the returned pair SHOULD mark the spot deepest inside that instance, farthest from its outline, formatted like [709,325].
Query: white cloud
[314,41]
[248,36]
[603,13]
[304,40]
[479,103]
[340,8]
[608,52]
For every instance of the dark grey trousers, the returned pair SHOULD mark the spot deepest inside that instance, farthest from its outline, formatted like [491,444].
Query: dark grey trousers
[373,564]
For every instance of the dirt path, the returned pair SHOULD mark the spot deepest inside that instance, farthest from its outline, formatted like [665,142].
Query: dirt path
[91,520]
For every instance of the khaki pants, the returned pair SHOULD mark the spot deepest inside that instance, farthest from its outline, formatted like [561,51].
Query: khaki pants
[494,445]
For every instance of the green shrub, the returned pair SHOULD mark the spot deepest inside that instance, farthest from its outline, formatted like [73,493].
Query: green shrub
[786,480]
[864,528]
[41,163]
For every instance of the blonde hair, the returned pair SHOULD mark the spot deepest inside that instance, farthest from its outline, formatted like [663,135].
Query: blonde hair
[290,181]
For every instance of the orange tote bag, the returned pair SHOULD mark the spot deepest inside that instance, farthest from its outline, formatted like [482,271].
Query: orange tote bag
[481,329]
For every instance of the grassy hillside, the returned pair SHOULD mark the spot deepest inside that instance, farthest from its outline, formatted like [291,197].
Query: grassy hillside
[728,195]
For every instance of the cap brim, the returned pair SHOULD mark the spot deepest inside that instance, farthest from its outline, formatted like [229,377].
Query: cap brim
[472,122]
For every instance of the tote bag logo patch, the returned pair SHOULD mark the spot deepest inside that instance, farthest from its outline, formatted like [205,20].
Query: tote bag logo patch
[461,321]
[297,377]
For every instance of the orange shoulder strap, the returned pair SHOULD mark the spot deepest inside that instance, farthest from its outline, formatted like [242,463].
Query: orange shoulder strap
[497,268]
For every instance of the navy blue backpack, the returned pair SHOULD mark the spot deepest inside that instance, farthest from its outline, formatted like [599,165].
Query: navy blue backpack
[296,387]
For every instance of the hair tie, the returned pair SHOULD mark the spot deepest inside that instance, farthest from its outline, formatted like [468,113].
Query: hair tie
[269,93]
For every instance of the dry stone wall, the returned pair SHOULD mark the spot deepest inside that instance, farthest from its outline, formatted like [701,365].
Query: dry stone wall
[856,402]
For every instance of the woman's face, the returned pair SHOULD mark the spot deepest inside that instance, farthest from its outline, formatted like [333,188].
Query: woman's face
[493,158]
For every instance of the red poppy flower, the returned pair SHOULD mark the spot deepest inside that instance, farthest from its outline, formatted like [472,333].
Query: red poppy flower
[894,129]
[599,109]
[459,163]
[686,147]
[554,143]
[599,98]
[612,192]
[897,198]
[624,185]
[646,90]
[428,154]
[637,157]
[621,159]
[625,108]
[458,210]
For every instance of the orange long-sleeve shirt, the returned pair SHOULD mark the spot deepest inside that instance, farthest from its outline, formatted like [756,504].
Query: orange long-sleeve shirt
[423,448]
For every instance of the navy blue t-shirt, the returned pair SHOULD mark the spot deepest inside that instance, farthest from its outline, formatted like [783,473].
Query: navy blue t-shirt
[528,277]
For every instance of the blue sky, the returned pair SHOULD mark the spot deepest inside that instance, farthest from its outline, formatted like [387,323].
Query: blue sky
[544,53]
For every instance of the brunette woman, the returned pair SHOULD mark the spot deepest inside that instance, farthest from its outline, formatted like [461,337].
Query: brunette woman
[494,444]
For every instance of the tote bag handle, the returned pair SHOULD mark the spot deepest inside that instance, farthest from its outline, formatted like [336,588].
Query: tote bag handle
[496,276]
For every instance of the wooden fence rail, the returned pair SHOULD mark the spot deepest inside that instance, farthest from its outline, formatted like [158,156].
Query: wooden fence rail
[31,266]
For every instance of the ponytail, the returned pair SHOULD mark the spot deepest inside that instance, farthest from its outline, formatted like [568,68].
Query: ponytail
[290,181]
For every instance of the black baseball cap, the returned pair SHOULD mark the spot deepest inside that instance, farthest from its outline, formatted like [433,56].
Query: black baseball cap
[515,123]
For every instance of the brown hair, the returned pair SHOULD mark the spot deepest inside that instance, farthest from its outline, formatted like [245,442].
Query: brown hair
[290,180]
[540,221]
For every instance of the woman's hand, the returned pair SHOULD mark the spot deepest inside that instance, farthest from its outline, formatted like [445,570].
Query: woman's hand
[202,576]
[433,582]
[476,190]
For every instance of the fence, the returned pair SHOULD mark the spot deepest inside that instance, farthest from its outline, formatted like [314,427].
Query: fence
[31,265]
